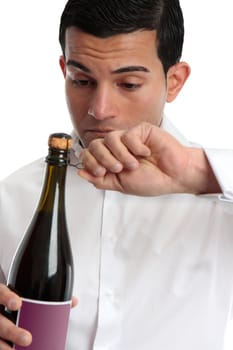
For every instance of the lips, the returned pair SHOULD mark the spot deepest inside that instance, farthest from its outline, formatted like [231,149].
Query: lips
[98,132]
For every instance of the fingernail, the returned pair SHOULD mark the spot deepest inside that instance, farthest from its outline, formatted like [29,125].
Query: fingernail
[99,171]
[132,165]
[12,304]
[25,339]
[116,168]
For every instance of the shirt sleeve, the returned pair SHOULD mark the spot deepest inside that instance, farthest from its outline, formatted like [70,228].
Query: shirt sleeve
[221,162]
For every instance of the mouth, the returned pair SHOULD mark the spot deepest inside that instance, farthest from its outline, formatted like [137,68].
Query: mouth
[97,132]
[94,133]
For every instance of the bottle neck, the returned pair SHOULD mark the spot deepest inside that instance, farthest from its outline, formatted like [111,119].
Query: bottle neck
[58,157]
[54,183]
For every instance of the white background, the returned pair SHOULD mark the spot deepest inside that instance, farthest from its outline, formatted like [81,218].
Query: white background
[32,103]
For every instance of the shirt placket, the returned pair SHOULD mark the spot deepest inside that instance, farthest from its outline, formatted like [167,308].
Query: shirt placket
[109,310]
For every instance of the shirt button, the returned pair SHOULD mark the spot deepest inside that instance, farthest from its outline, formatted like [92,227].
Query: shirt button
[112,238]
[112,297]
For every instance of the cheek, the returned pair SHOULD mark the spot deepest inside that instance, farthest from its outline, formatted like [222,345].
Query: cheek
[76,105]
[150,105]
[77,110]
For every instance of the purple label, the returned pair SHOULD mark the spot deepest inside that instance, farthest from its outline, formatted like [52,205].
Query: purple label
[47,323]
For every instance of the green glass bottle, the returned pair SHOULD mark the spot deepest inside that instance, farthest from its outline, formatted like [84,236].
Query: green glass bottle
[42,269]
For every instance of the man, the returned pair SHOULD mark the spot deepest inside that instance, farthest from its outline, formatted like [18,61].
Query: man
[153,257]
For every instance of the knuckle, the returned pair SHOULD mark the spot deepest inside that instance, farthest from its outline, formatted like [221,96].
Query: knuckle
[110,137]
[86,158]
[94,145]
[127,136]
[113,137]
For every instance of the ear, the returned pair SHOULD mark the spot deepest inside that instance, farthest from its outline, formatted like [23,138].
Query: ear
[62,63]
[176,78]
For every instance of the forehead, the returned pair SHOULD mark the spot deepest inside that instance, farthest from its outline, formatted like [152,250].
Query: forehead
[139,44]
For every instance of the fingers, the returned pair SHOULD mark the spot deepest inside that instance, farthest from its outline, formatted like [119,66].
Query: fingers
[4,345]
[74,301]
[9,332]
[117,151]
[114,142]
[90,162]
[136,139]
[9,299]
[101,156]
[110,181]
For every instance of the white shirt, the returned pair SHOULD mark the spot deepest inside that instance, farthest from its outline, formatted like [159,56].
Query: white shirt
[150,272]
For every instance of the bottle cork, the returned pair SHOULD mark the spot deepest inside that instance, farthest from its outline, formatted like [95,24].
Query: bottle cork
[60,141]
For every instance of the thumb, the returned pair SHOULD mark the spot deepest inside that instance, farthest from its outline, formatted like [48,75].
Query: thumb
[74,301]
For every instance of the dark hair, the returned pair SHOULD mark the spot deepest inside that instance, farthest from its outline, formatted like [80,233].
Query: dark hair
[105,18]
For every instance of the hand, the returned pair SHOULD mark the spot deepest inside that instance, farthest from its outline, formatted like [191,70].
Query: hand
[74,301]
[146,160]
[8,330]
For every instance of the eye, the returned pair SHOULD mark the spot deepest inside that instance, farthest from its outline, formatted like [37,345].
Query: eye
[82,82]
[130,86]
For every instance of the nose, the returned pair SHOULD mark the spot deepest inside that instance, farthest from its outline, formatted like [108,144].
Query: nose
[103,103]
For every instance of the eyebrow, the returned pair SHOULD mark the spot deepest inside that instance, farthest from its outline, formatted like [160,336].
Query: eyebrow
[131,69]
[121,70]
[78,65]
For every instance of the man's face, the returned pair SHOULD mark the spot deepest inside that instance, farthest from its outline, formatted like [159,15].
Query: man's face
[119,80]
